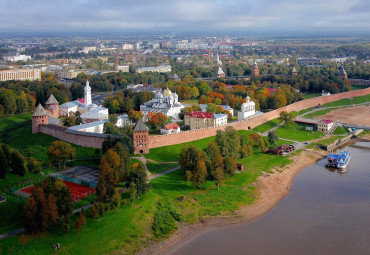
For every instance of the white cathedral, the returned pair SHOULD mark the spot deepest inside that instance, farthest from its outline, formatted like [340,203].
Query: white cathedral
[247,109]
[165,102]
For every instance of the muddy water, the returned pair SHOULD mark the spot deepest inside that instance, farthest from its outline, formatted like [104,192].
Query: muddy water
[326,213]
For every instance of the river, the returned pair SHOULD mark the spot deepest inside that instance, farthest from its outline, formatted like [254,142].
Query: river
[326,213]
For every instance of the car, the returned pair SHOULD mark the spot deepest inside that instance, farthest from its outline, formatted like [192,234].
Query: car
[306,143]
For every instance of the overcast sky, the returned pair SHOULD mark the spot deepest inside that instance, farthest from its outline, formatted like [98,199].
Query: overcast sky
[184,15]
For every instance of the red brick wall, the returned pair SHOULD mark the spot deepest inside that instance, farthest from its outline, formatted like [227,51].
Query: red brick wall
[187,136]
[82,140]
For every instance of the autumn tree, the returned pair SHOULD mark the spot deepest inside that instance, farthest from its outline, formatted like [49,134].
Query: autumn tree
[138,175]
[132,192]
[116,199]
[246,151]
[134,116]
[219,177]
[59,152]
[272,137]
[229,166]
[199,174]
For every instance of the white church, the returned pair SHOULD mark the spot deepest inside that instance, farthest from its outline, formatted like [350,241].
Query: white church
[247,109]
[89,112]
[165,102]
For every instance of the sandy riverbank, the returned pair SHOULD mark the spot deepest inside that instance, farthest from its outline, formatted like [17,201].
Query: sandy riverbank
[271,189]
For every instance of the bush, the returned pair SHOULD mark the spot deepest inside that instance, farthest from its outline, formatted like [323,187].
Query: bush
[165,219]
[34,166]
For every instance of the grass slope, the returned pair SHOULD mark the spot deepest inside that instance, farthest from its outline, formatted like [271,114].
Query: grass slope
[340,131]
[298,133]
[157,168]
[349,101]
[267,126]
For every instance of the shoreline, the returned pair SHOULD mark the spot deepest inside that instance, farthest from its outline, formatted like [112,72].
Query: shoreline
[271,189]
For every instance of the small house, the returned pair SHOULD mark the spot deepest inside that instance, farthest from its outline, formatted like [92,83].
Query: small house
[172,128]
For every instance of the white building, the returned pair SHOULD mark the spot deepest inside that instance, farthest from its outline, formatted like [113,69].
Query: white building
[325,125]
[166,103]
[18,58]
[247,109]
[127,46]
[220,73]
[157,69]
[124,69]
[325,93]
[172,128]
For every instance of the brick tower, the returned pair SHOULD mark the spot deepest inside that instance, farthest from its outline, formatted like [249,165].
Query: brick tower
[256,71]
[52,106]
[140,136]
[40,116]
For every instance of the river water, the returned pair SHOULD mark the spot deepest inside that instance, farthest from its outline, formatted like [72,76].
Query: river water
[326,213]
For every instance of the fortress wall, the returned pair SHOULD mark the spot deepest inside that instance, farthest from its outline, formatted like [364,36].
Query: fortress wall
[88,140]
[252,122]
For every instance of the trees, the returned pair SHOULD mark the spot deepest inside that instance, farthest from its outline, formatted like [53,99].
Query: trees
[138,176]
[219,177]
[229,142]
[134,116]
[60,151]
[34,166]
[261,144]
[189,157]
[288,118]
[229,166]
[156,121]
[18,163]
[272,137]
[4,160]
[246,150]
[199,174]
[132,191]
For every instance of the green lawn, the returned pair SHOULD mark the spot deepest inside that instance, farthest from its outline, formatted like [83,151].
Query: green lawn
[318,113]
[340,131]
[349,101]
[357,87]
[298,133]
[11,214]
[267,126]
[191,101]
[14,121]
[156,168]
[311,95]
[305,110]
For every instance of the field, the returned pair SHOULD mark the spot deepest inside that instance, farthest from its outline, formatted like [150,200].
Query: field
[340,131]
[267,126]
[157,168]
[298,133]
[313,115]
[311,95]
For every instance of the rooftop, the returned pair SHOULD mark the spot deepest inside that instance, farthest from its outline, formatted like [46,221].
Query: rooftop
[140,126]
[52,100]
[40,111]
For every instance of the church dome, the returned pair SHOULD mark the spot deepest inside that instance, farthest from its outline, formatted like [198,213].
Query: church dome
[167,92]
[175,95]
[159,95]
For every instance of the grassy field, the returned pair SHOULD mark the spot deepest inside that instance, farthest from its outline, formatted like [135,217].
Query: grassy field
[349,101]
[157,168]
[356,87]
[340,131]
[305,110]
[267,126]
[311,95]
[11,214]
[318,113]
[191,101]
[298,133]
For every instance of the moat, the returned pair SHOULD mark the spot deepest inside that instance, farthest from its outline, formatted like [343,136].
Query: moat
[325,213]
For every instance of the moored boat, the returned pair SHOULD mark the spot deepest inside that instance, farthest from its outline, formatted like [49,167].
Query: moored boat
[340,160]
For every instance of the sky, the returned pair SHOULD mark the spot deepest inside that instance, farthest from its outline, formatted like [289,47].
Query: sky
[184,15]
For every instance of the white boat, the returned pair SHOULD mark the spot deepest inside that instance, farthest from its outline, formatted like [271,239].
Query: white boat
[340,160]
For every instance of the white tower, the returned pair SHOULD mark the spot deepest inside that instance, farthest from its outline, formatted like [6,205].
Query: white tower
[247,109]
[87,97]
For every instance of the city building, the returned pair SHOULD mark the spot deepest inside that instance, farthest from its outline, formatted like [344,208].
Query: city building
[20,74]
[325,125]
[247,109]
[304,61]
[124,69]
[127,46]
[40,116]
[360,82]
[174,77]
[18,58]
[141,88]
[256,71]
[140,138]
[172,128]
[67,74]
[165,102]
[198,120]
[220,73]
[156,69]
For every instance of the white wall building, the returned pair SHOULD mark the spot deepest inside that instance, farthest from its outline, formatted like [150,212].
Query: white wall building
[172,128]
[18,58]
[247,109]
[157,69]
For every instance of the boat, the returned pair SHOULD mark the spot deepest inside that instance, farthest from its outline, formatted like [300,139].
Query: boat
[340,160]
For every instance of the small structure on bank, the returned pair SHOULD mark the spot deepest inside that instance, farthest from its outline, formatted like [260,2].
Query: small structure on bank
[285,148]
[140,138]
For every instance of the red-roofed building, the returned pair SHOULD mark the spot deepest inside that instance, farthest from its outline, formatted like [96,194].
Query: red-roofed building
[172,128]
[271,90]
[325,125]
[198,120]
[81,100]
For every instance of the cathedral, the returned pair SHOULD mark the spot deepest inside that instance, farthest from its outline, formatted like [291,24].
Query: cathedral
[165,102]
[247,109]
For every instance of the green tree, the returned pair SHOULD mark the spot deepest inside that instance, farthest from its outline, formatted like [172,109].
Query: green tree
[132,191]
[228,142]
[272,137]
[229,166]
[219,177]
[199,175]
[246,151]
[4,164]
[59,152]
[94,211]
[34,166]
[116,199]
[18,163]
[138,175]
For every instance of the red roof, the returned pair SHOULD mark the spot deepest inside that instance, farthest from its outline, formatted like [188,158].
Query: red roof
[271,90]
[81,100]
[327,121]
[229,86]
[201,115]
[171,126]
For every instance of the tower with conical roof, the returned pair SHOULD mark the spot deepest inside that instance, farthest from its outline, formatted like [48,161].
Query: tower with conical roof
[52,106]
[342,73]
[294,72]
[256,71]
[220,72]
[40,116]
[87,94]
[140,138]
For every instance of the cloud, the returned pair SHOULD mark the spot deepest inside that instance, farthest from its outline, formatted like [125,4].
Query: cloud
[183,15]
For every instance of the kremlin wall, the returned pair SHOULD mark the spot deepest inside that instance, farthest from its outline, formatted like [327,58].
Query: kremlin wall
[93,140]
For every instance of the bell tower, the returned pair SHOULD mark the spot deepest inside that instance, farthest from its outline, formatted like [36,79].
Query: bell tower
[256,71]
[87,94]
[140,138]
